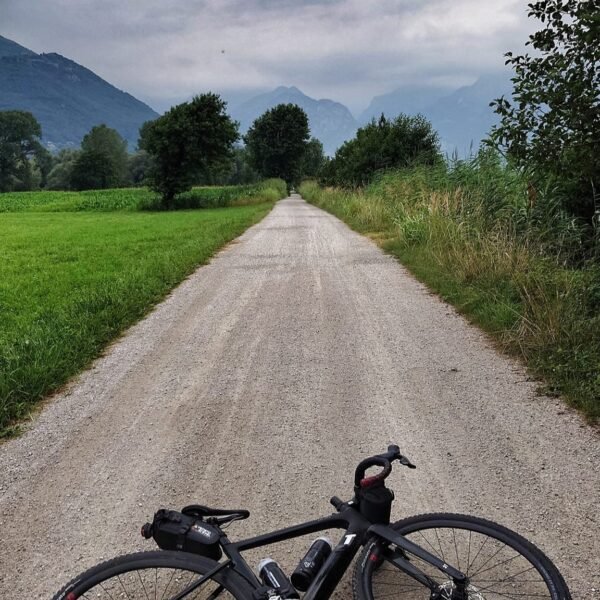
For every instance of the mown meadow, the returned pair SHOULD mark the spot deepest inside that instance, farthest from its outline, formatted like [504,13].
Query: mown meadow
[505,255]
[77,268]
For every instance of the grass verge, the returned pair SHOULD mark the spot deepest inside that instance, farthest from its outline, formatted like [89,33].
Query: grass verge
[475,239]
[70,282]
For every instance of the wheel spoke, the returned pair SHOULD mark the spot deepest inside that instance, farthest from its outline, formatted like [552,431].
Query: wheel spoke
[143,586]
[494,563]
[504,562]
[456,549]
[164,577]
[469,553]
[440,543]
[168,585]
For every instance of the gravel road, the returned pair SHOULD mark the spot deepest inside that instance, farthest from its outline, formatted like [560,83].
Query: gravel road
[261,381]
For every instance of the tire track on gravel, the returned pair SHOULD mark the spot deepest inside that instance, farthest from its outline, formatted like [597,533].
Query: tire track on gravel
[261,381]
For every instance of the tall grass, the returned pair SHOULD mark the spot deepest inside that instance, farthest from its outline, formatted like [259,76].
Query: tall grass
[503,252]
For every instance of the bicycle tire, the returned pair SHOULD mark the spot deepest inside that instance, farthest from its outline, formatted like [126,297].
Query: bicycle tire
[432,532]
[150,575]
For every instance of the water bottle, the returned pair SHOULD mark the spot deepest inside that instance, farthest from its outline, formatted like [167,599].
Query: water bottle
[272,576]
[311,564]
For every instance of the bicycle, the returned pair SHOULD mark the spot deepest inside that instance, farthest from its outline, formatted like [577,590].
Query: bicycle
[435,556]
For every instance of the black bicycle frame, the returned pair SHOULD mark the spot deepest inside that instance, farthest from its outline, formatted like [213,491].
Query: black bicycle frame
[357,531]
[348,519]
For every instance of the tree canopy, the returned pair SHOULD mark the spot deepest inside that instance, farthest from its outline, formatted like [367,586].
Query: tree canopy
[20,135]
[381,145]
[59,177]
[551,125]
[102,162]
[187,143]
[277,142]
[314,157]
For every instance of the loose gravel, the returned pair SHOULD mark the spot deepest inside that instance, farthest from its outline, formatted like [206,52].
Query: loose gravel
[261,382]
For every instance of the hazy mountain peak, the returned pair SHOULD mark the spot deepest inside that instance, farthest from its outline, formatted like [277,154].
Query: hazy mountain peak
[66,98]
[291,90]
[10,48]
[462,116]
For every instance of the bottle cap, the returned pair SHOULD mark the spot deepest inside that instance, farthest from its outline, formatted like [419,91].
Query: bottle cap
[263,563]
[326,540]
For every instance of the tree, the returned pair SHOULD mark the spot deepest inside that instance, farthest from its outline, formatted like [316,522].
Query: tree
[59,177]
[552,125]
[103,160]
[187,143]
[313,158]
[241,171]
[20,135]
[44,163]
[277,142]
[381,145]
[138,166]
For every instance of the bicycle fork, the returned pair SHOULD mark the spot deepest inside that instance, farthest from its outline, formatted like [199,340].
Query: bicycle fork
[459,579]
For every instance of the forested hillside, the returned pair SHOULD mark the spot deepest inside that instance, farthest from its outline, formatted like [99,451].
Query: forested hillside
[66,98]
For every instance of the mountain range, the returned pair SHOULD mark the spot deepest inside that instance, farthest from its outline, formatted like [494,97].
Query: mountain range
[69,100]
[462,117]
[330,122]
[66,98]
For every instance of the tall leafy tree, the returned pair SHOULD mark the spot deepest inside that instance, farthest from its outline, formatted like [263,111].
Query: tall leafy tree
[382,145]
[313,158]
[102,162]
[59,177]
[277,142]
[551,126]
[241,171]
[188,143]
[20,135]
[138,166]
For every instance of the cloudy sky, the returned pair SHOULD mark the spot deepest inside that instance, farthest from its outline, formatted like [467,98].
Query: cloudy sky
[348,50]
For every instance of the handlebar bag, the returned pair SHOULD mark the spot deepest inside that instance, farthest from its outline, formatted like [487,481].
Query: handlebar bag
[375,504]
[173,530]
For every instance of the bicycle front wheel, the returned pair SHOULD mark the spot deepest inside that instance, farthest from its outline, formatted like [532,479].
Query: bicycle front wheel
[500,564]
[158,575]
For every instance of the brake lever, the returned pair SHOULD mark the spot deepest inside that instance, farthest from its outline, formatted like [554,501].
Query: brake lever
[393,453]
[406,462]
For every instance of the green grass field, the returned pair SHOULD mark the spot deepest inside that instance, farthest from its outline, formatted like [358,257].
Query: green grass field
[70,282]
[134,199]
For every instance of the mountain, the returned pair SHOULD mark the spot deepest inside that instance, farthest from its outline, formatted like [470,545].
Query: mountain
[407,100]
[465,117]
[10,48]
[462,118]
[330,122]
[66,98]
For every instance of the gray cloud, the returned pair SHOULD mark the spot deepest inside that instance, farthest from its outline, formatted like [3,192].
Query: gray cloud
[348,50]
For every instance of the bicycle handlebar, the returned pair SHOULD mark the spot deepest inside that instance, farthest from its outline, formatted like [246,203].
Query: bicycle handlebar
[381,460]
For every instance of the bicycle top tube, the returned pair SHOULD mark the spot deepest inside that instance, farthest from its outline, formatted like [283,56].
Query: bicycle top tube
[347,519]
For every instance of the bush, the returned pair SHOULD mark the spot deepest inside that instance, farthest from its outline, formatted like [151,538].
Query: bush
[382,145]
[551,125]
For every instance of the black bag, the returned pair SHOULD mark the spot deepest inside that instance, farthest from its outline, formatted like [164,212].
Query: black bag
[375,504]
[173,530]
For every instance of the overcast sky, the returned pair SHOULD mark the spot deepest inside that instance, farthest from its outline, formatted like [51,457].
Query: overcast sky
[346,50]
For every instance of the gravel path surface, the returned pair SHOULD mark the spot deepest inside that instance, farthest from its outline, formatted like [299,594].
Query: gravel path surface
[261,381]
